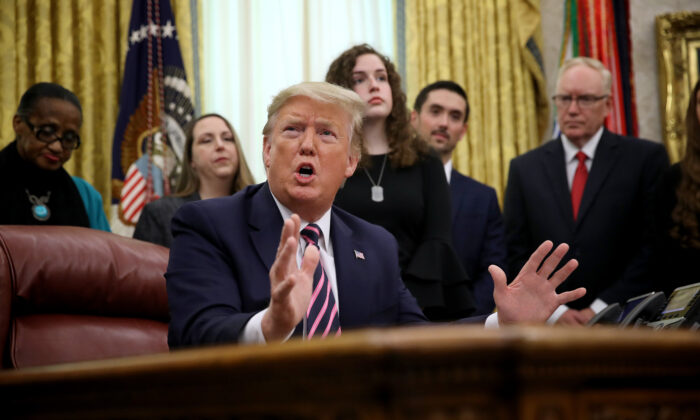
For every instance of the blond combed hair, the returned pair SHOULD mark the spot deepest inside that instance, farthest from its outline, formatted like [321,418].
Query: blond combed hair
[325,93]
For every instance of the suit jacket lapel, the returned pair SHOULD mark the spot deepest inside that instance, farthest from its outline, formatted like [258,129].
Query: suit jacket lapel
[606,154]
[555,168]
[351,274]
[266,222]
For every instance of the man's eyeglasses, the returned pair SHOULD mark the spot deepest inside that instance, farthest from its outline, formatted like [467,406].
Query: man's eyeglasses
[583,101]
[48,134]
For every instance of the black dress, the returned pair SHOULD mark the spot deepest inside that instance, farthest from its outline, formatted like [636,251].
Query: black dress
[672,264]
[416,210]
[154,221]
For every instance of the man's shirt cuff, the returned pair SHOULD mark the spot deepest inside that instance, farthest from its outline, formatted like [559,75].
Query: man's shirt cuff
[491,321]
[252,332]
[557,314]
[598,305]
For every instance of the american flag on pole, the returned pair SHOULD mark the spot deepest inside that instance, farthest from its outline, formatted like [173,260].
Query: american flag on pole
[154,106]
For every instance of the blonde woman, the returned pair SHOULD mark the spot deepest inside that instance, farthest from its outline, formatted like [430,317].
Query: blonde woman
[213,166]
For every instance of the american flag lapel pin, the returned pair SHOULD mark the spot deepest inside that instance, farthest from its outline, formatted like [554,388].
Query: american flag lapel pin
[359,255]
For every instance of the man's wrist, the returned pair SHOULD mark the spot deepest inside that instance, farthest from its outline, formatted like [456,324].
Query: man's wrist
[272,329]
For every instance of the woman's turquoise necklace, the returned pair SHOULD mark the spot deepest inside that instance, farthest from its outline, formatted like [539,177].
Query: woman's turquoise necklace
[40,210]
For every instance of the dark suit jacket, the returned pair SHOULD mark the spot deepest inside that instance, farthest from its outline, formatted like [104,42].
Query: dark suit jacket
[478,235]
[608,238]
[223,249]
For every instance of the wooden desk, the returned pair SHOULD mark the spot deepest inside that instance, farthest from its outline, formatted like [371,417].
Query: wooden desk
[423,373]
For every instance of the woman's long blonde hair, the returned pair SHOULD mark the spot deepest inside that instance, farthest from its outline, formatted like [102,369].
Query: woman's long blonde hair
[189,183]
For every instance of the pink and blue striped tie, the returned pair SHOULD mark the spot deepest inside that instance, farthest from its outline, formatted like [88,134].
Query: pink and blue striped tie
[322,313]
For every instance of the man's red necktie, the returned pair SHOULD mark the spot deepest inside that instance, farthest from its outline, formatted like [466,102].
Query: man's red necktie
[579,183]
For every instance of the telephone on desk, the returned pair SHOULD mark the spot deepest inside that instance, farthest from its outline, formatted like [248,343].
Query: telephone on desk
[682,309]
[637,311]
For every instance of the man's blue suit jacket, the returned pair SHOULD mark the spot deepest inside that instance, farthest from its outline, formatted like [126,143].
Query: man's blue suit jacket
[223,248]
[478,235]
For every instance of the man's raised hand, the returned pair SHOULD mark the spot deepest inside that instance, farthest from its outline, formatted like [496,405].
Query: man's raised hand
[290,286]
[532,296]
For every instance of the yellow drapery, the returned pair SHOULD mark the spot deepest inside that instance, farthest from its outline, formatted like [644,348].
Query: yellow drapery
[487,46]
[80,44]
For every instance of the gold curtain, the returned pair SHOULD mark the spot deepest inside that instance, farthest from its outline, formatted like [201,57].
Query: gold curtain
[490,48]
[80,44]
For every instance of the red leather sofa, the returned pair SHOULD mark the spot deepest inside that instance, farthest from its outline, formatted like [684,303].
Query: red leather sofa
[71,294]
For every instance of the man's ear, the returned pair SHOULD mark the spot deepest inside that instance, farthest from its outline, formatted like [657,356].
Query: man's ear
[266,151]
[353,159]
[463,131]
[608,105]
[414,118]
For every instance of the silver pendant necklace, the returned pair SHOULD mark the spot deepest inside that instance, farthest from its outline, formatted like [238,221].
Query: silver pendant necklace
[377,190]
[40,210]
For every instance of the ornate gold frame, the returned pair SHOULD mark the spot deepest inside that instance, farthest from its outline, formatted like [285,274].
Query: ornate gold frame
[678,48]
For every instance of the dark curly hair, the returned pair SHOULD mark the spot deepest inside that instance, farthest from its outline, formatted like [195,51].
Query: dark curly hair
[405,148]
[685,214]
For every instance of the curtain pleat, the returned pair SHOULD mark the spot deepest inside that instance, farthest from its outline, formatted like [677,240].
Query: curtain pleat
[80,44]
[490,48]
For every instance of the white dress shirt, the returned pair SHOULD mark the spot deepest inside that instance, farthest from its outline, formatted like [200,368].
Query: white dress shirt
[448,170]
[570,151]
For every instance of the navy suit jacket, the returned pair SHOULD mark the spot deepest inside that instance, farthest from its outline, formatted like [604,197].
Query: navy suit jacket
[609,237]
[478,235]
[222,251]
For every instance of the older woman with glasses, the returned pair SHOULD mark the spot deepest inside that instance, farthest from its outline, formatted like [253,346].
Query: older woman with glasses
[35,189]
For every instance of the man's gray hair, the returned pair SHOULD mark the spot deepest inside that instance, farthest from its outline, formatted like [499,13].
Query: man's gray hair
[326,93]
[592,63]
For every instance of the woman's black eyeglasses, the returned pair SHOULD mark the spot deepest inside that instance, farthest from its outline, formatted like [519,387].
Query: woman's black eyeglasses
[48,134]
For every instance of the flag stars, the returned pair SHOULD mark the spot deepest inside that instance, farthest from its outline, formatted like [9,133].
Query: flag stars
[168,30]
[153,29]
[135,37]
[143,32]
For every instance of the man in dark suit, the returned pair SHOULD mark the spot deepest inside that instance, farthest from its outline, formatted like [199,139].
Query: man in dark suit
[589,188]
[232,278]
[440,115]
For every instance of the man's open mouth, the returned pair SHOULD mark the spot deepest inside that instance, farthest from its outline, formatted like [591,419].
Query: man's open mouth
[306,171]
